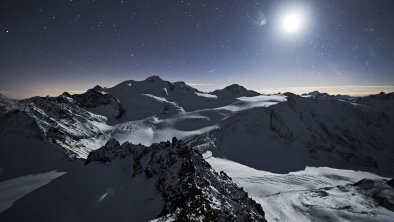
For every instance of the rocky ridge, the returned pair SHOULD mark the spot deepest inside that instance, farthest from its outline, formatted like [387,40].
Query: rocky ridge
[191,189]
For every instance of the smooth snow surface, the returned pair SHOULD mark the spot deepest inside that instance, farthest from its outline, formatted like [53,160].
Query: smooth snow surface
[13,189]
[153,130]
[314,194]
[207,95]
[149,131]
[245,103]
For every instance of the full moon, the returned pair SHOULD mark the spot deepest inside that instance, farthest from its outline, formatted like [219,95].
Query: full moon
[292,21]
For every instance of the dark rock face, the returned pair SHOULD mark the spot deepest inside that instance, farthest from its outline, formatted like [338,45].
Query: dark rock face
[97,97]
[391,182]
[7,104]
[365,184]
[93,98]
[20,123]
[192,190]
[382,192]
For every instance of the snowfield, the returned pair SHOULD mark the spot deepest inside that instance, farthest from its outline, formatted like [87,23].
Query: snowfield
[313,194]
[207,95]
[153,130]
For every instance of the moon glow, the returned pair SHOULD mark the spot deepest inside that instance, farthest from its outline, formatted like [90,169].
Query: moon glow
[292,21]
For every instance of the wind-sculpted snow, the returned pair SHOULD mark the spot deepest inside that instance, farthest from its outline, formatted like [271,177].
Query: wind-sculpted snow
[244,103]
[207,95]
[191,189]
[314,194]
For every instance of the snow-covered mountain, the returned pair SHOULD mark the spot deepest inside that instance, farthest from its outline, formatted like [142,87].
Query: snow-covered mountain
[144,112]
[313,132]
[154,96]
[43,139]
[315,129]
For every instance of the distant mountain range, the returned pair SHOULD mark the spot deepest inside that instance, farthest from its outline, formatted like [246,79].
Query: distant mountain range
[77,139]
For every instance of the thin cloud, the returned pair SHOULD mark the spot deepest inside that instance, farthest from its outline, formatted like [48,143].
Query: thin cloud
[262,19]
[211,71]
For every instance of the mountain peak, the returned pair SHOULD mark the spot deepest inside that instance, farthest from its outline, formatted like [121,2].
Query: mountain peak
[235,90]
[235,87]
[315,94]
[98,88]
[154,78]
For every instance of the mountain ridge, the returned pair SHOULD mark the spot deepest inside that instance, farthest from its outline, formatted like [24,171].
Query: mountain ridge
[191,189]
[84,122]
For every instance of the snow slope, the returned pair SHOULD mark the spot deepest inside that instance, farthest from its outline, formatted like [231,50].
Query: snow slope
[11,190]
[100,192]
[313,194]
[96,192]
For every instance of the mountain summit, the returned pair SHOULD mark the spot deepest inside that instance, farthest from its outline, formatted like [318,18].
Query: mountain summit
[234,91]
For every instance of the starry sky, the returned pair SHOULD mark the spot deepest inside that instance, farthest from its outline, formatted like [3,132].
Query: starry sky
[51,46]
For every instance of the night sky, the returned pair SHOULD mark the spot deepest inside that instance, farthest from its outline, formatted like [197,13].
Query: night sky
[51,46]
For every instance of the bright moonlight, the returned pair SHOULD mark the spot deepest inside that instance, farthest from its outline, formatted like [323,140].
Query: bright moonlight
[292,21]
